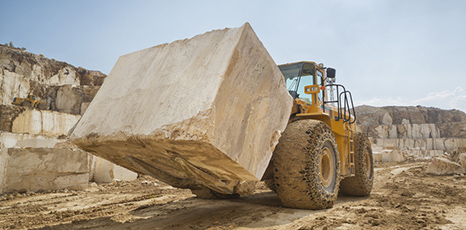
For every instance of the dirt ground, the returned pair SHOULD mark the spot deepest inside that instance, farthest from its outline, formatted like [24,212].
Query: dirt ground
[404,197]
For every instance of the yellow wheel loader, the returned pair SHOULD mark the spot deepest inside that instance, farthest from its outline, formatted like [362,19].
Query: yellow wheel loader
[31,101]
[320,153]
[240,125]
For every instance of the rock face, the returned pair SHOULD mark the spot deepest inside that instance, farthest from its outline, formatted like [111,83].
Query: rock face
[33,156]
[411,122]
[8,114]
[23,73]
[416,131]
[206,111]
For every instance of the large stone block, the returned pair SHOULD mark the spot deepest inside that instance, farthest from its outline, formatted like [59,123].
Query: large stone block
[24,140]
[451,144]
[9,140]
[409,143]
[390,143]
[206,111]
[439,143]
[377,156]
[443,166]
[429,144]
[34,169]
[69,99]
[382,132]
[421,143]
[44,122]
[391,156]
[105,172]
[462,159]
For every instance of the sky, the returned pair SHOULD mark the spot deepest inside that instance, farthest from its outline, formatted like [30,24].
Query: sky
[386,52]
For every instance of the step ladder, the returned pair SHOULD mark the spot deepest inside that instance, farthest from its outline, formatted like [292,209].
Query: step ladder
[350,137]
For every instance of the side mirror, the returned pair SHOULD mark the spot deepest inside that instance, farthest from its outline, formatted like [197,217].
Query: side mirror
[331,73]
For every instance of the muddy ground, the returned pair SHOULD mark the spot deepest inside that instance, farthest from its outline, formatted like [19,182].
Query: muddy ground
[404,197]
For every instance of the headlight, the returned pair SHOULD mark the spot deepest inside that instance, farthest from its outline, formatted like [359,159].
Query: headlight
[310,89]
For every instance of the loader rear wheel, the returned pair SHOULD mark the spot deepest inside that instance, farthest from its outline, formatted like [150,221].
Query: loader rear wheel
[207,193]
[307,166]
[361,183]
[41,106]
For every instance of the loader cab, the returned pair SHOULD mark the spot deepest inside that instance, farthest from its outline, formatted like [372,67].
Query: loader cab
[299,76]
[314,85]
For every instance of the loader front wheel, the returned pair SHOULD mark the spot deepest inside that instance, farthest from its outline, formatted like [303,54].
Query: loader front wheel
[361,183]
[306,166]
[271,184]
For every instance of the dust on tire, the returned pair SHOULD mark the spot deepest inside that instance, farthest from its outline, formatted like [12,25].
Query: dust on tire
[361,183]
[296,162]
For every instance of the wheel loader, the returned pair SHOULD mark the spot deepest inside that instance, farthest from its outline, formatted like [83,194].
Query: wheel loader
[31,101]
[215,114]
[320,153]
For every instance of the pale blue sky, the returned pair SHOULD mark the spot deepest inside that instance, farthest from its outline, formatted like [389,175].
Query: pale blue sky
[410,52]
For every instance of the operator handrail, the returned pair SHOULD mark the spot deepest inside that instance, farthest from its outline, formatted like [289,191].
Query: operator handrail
[347,108]
[344,101]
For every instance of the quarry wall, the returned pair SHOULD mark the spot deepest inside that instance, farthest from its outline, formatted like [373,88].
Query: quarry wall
[62,86]
[35,154]
[413,131]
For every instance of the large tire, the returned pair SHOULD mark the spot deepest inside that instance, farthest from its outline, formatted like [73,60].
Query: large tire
[307,166]
[41,106]
[361,183]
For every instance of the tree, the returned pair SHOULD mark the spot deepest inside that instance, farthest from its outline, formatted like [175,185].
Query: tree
[11,44]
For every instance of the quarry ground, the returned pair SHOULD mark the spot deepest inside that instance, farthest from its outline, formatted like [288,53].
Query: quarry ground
[404,197]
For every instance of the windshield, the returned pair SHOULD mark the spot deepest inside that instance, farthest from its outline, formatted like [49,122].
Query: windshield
[297,76]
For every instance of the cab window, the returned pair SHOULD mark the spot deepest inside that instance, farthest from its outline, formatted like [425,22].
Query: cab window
[298,76]
[319,82]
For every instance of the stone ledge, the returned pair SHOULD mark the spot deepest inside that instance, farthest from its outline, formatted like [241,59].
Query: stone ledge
[44,122]
[35,169]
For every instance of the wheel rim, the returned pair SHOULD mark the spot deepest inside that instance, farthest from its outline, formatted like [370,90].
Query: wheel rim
[327,168]
[367,163]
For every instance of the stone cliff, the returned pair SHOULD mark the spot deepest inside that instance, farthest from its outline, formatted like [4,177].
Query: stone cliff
[62,86]
[34,153]
[420,131]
